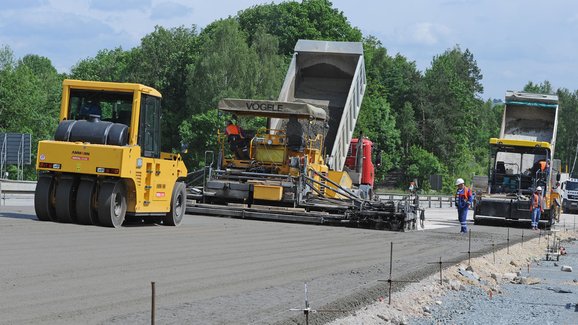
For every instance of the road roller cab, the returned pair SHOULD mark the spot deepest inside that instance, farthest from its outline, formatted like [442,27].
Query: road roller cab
[105,161]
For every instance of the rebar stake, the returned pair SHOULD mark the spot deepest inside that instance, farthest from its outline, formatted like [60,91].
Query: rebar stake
[522,237]
[390,270]
[441,277]
[508,241]
[307,310]
[494,251]
[152,303]
[469,248]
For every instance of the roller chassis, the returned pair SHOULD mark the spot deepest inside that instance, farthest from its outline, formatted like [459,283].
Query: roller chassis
[102,201]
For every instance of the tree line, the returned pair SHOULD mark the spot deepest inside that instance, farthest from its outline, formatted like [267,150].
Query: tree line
[423,122]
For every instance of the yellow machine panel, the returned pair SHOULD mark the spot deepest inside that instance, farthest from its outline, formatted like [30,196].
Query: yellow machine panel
[270,154]
[341,178]
[267,192]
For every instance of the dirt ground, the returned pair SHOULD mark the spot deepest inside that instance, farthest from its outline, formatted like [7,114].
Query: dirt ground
[211,270]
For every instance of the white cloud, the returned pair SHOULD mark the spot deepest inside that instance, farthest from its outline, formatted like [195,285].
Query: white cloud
[116,5]
[428,33]
[170,10]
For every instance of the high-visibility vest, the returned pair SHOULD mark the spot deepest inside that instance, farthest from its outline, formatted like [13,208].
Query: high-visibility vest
[232,129]
[463,196]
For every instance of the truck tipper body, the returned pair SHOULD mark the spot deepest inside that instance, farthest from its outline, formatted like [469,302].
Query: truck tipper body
[522,159]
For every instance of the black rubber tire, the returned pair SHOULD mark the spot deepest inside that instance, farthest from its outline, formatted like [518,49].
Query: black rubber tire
[178,206]
[43,198]
[65,195]
[86,214]
[112,203]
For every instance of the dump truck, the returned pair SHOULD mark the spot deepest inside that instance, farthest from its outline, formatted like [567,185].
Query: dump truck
[105,163]
[522,159]
[302,164]
[570,195]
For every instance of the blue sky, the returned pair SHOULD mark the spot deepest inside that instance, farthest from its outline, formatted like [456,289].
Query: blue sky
[513,41]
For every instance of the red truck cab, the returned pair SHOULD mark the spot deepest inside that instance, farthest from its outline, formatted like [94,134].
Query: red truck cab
[365,168]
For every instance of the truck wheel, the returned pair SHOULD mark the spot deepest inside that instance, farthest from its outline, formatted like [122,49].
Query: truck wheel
[86,214]
[43,198]
[112,203]
[65,196]
[178,206]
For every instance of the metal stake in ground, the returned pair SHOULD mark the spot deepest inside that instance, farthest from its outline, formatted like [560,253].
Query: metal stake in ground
[493,249]
[390,270]
[390,281]
[307,310]
[441,269]
[522,237]
[152,303]
[508,241]
[470,248]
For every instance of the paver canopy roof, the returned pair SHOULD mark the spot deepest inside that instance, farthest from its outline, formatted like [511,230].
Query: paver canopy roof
[274,109]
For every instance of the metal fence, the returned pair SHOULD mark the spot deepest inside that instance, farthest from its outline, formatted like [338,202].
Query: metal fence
[16,193]
[425,201]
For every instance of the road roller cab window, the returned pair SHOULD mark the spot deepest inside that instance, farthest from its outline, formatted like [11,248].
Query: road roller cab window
[114,107]
[149,126]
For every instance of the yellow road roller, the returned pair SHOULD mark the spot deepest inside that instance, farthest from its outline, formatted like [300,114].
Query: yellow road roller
[105,163]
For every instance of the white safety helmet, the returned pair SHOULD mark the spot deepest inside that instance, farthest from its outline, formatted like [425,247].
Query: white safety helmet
[459,181]
[539,188]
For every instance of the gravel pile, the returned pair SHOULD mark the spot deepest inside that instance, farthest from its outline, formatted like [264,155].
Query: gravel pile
[519,288]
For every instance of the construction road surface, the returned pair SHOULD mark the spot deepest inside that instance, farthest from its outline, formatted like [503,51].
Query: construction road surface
[213,270]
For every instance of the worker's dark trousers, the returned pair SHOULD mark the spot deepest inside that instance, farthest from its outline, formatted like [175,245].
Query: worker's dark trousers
[462,216]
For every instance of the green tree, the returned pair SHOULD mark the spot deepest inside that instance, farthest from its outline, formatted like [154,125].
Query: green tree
[399,81]
[224,69]
[452,86]
[377,122]
[421,164]
[162,61]
[539,88]
[199,132]
[29,96]
[567,137]
[290,21]
[107,65]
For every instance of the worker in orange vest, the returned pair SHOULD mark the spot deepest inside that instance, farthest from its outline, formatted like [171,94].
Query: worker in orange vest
[236,140]
[537,207]
[464,200]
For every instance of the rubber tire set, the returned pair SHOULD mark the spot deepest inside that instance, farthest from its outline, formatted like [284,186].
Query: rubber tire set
[70,199]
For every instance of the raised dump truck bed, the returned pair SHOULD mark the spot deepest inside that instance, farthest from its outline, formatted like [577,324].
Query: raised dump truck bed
[330,75]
